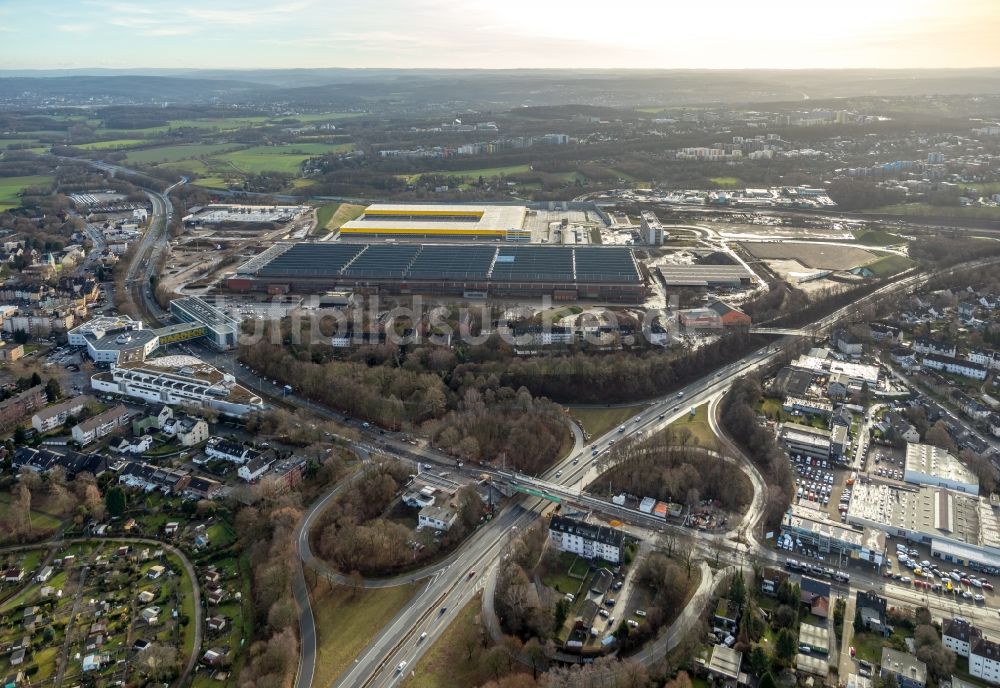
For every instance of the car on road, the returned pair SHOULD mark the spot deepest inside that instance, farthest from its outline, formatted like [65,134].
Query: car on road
[400,667]
[558,474]
[422,637]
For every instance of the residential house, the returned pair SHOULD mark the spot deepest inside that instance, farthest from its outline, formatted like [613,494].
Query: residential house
[94,662]
[135,445]
[154,421]
[213,657]
[904,357]
[219,448]
[216,624]
[847,343]
[984,660]
[151,615]
[10,353]
[20,406]
[13,575]
[437,517]
[191,431]
[727,615]
[771,580]
[52,417]
[44,459]
[958,635]
[955,366]
[588,540]
[985,358]
[838,386]
[908,671]
[202,488]
[872,610]
[44,575]
[815,594]
[925,345]
[884,332]
[841,416]
[101,425]
[254,469]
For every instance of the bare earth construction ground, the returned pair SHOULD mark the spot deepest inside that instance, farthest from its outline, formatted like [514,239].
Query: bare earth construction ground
[816,256]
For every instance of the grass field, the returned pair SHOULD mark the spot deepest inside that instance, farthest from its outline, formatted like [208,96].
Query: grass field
[211,182]
[7,143]
[697,425]
[490,172]
[347,620]
[877,237]
[287,158]
[446,663]
[11,188]
[344,212]
[598,421]
[727,182]
[113,144]
[39,519]
[186,151]
[887,266]
[927,210]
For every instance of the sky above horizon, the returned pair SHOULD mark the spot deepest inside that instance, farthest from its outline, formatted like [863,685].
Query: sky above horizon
[724,34]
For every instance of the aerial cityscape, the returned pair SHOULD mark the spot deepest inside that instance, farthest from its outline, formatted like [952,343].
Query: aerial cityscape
[370,345]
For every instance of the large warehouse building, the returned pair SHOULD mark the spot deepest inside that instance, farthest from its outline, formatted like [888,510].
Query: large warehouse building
[707,276]
[960,528]
[566,273]
[489,222]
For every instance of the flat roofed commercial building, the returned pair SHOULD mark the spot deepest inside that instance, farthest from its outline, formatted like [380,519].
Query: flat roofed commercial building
[222,330]
[122,346]
[733,276]
[814,528]
[491,222]
[805,440]
[958,527]
[98,327]
[930,465]
[564,272]
[176,380]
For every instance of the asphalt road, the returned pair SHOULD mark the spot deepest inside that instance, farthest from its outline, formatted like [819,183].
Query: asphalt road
[449,588]
[376,666]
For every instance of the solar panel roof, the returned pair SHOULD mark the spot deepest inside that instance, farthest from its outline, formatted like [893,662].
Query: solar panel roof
[315,259]
[516,263]
[605,265]
[455,262]
[383,260]
[534,263]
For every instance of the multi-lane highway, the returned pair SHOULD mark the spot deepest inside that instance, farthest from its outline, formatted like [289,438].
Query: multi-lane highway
[456,581]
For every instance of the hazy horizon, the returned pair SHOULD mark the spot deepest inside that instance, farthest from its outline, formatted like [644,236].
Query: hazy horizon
[433,34]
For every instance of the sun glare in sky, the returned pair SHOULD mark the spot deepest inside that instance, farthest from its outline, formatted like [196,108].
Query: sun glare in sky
[785,34]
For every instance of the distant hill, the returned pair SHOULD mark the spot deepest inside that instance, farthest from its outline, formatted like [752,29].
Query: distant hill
[487,89]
